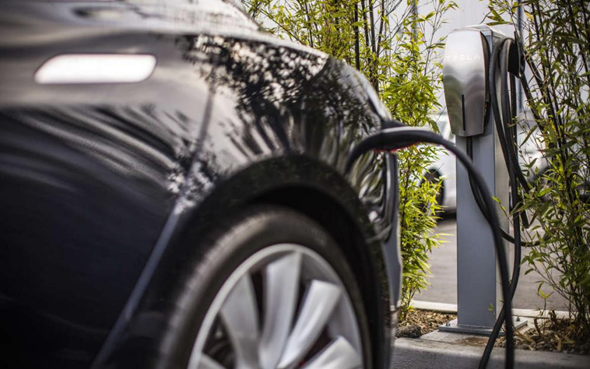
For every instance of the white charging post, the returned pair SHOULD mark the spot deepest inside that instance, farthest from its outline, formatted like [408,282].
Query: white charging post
[465,77]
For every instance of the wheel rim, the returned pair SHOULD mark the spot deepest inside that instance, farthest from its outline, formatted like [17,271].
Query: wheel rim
[284,307]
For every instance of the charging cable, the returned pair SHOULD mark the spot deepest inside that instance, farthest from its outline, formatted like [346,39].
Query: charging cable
[392,139]
[505,59]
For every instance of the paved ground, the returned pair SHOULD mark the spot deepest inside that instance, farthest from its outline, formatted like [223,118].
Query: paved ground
[444,280]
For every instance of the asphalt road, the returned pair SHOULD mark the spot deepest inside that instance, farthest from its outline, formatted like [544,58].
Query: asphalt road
[443,287]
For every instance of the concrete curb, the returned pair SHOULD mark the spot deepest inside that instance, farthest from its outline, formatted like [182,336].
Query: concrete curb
[427,354]
[452,308]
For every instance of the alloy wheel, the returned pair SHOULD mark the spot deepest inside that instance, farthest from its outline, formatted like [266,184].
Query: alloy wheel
[283,307]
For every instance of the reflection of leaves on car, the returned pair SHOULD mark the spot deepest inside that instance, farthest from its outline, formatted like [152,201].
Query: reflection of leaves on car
[287,100]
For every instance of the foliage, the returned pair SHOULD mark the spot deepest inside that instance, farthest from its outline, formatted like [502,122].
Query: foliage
[389,44]
[557,45]
[410,92]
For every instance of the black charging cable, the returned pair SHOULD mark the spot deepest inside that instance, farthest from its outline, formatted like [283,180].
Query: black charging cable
[391,139]
[506,53]
[503,59]
[506,59]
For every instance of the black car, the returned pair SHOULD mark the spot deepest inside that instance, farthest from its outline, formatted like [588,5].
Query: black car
[173,194]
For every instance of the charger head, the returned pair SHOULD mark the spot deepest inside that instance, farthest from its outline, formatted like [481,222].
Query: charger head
[465,79]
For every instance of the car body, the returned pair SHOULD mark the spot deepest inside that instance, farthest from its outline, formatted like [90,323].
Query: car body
[444,168]
[531,158]
[108,180]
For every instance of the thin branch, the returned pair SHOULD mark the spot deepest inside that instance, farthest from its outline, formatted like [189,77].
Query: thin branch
[281,26]
[381,25]
[365,23]
[372,18]
[309,24]
[357,48]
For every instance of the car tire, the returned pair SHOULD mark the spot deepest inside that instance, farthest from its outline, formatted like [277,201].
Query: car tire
[271,289]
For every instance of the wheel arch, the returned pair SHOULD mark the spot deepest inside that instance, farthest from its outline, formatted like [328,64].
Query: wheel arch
[307,186]
[435,171]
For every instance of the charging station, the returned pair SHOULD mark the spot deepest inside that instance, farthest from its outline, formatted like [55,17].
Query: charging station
[480,69]
[466,78]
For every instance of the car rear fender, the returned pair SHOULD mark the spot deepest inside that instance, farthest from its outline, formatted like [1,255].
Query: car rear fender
[307,186]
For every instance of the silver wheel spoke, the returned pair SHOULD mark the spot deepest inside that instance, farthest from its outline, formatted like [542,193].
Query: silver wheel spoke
[240,317]
[338,355]
[207,363]
[275,327]
[280,302]
[318,306]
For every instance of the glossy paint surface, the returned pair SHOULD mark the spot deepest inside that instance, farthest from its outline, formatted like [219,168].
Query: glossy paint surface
[99,182]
